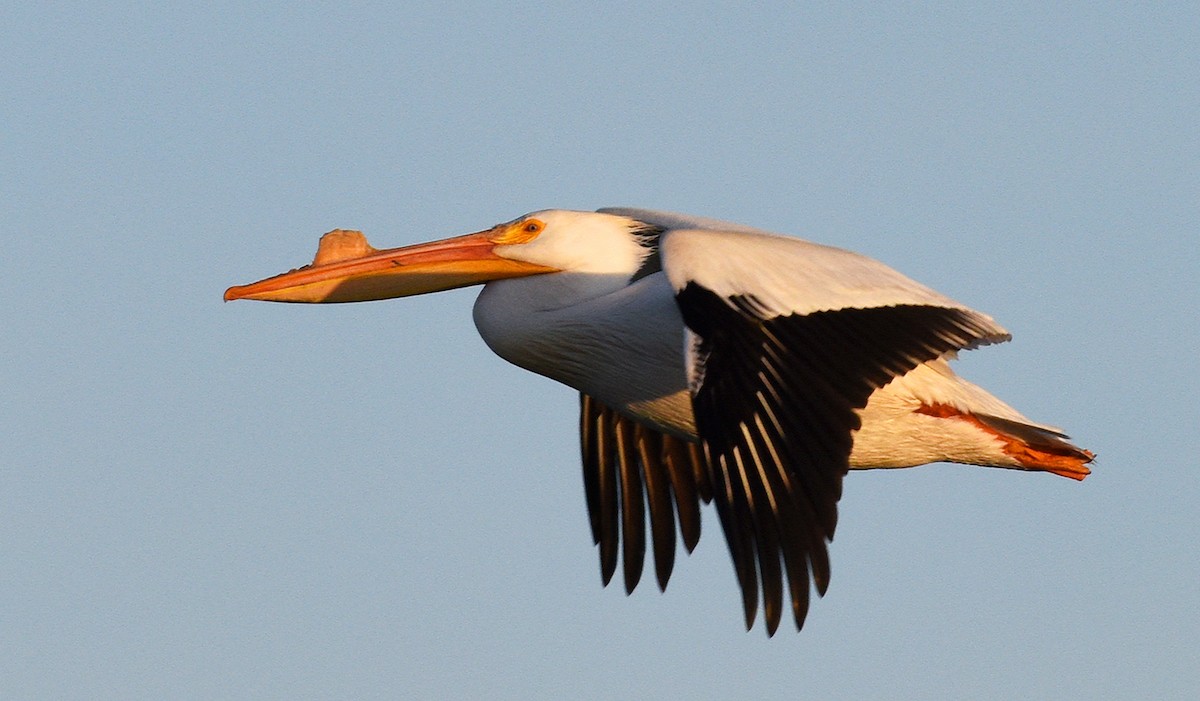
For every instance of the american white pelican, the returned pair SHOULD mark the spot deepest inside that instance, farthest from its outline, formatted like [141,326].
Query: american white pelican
[714,362]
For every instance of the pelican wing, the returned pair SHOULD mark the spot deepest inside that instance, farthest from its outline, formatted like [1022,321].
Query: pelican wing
[786,339]
[626,466]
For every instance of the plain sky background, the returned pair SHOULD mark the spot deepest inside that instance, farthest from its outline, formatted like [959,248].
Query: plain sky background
[250,501]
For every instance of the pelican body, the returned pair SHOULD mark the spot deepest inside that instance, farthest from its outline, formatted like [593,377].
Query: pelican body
[715,363]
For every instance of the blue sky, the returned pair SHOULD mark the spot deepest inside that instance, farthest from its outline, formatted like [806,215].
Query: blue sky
[207,500]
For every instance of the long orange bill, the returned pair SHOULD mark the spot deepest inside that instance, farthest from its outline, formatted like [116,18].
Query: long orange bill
[347,269]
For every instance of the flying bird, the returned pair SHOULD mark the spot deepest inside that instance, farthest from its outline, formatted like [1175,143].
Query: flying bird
[715,363]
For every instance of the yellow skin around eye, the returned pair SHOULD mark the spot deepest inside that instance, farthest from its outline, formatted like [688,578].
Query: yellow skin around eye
[519,232]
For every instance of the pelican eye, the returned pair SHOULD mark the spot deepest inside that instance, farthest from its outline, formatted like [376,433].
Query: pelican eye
[523,232]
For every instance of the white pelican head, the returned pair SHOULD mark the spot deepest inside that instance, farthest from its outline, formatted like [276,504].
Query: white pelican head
[348,269]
